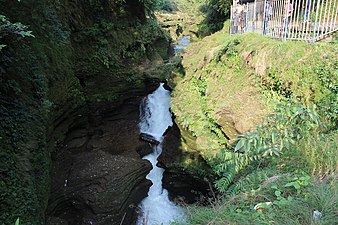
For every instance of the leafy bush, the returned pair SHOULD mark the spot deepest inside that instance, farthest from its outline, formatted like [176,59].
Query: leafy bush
[289,123]
[294,197]
[10,32]
[166,5]
[10,35]
[216,12]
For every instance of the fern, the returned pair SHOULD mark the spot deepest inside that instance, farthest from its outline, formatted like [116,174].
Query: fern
[228,165]
[289,123]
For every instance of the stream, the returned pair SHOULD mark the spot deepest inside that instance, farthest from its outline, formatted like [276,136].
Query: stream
[155,119]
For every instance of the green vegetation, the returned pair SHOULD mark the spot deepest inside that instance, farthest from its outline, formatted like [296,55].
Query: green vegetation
[81,54]
[285,181]
[216,12]
[229,86]
[279,132]
[11,32]
[197,18]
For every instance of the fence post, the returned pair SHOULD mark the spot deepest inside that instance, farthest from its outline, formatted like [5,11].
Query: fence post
[334,13]
[286,19]
[254,17]
[231,20]
[246,18]
[264,18]
[315,25]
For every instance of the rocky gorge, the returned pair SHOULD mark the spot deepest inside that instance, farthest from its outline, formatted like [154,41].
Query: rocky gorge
[74,75]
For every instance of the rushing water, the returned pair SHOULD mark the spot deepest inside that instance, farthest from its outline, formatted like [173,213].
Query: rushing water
[155,118]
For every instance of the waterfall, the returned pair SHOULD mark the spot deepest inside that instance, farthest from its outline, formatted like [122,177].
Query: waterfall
[155,118]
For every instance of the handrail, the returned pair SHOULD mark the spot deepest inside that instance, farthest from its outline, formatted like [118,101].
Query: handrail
[305,20]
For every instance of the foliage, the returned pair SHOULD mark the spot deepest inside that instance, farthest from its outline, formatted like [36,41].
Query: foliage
[10,39]
[289,123]
[11,30]
[113,42]
[216,11]
[285,181]
[299,182]
[218,72]
[227,165]
[294,197]
[23,194]
[327,73]
[41,84]
[166,5]
[150,5]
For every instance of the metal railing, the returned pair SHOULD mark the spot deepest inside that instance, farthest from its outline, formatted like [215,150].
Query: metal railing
[307,20]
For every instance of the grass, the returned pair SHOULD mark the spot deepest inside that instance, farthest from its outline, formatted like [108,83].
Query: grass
[319,153]
[259,181]
[228,86]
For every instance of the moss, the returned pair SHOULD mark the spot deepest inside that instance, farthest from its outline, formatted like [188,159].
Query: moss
[228,80]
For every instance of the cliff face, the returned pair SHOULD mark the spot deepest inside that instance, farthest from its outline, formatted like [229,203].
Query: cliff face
[87,59]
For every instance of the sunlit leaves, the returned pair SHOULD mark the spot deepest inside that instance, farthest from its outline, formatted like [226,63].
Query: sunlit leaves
[280,131]
[289,123]
[14,31]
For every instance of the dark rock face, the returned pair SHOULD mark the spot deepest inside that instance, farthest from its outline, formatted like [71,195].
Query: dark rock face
[183,185]
[99,188]
[98,177]
[186,187]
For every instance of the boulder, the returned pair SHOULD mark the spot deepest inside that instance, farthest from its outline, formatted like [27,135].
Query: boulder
[149,138]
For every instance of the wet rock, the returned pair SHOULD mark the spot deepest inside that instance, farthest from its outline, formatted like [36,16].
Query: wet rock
[98,177]
[149,138]
[183,186]
[144,150]
[99,188]
[167,87]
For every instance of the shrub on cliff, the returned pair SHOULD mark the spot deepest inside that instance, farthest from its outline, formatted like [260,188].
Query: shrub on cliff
[11,35]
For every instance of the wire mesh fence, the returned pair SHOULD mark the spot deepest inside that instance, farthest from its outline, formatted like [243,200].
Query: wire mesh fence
[307,20]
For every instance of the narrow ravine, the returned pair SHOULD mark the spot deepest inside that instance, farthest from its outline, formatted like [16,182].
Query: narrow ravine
[155,118]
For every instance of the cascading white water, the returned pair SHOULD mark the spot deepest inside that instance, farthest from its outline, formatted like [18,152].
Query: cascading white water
[155,119]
